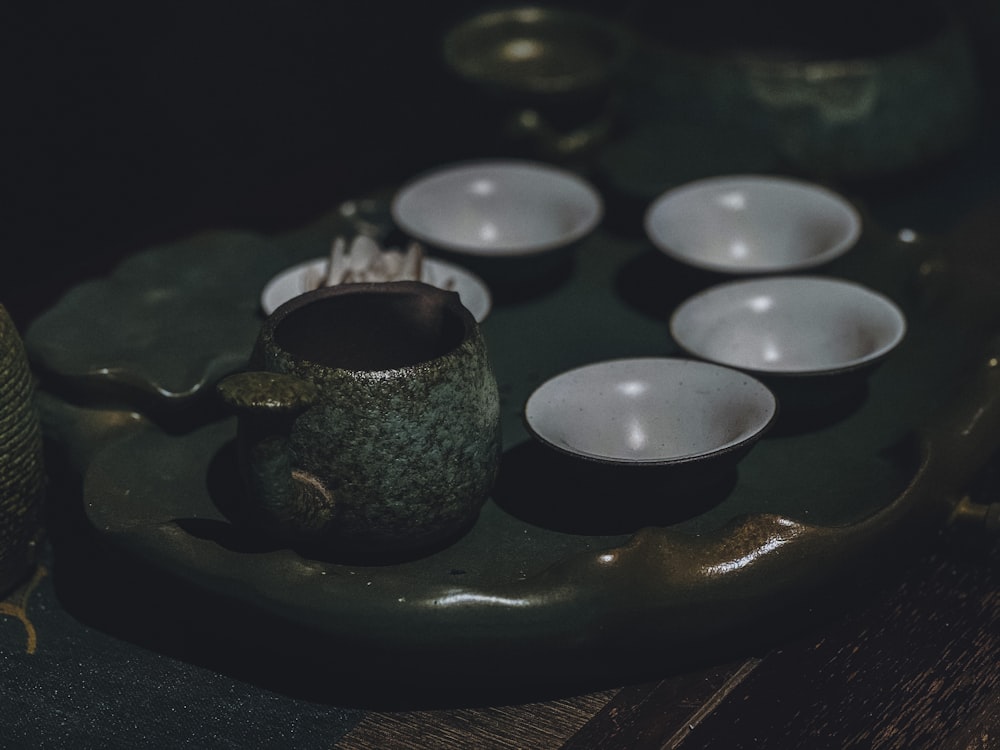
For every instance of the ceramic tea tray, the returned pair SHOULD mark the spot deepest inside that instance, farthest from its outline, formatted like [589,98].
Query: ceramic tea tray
[565,566]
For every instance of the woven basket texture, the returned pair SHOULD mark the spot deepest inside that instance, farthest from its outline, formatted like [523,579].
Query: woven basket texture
[22,477]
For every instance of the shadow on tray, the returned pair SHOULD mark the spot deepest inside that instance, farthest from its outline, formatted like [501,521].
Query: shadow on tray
[655,285]
[545,488]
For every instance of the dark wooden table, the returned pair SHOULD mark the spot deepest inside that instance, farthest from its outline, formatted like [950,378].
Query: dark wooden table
[113,156]
[916,667]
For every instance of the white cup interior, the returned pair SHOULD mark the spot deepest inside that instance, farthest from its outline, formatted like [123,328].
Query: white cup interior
[655,410]
[498,208]
[789,325]
[752,224]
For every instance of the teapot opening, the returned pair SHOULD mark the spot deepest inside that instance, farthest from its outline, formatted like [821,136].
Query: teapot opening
[375,327]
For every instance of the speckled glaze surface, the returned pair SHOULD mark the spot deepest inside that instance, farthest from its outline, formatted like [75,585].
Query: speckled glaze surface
[373,452]
[22,477]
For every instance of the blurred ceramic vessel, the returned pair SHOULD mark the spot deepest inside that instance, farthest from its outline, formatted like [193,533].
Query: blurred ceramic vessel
[853,107]
[548,72]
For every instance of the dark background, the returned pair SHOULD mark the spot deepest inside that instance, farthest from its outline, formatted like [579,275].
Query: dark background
[132,123]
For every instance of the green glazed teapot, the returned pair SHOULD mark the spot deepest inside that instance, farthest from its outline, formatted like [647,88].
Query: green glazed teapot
[370,422]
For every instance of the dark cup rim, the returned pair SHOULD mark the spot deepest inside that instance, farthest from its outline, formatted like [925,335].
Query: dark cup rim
[449,299]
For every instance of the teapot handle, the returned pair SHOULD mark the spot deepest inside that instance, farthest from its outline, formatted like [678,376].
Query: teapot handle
[289,500]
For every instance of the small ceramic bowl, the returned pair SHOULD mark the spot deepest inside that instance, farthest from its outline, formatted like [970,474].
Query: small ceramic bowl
[791,326]
[471,290]
[497,209]
[651,412]
[752,224]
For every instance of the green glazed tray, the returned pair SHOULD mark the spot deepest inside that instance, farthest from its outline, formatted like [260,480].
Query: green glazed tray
[565,568]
